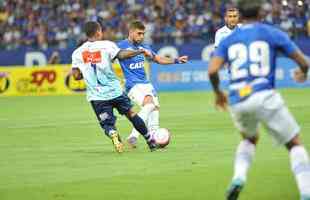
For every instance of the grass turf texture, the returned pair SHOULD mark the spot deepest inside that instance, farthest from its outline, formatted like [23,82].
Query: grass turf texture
[53,148]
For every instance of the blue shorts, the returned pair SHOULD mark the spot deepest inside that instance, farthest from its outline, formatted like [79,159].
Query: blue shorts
[104,109]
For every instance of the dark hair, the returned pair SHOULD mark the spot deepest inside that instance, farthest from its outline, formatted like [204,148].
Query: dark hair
[249,8]
[136,25]
[91,27]
[231,9]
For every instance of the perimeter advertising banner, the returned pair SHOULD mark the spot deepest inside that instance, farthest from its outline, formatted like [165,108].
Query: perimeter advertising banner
[42,81]
[194,76]
[39,81]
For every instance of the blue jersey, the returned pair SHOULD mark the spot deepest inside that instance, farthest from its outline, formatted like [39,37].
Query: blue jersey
[133,68]
[250,52]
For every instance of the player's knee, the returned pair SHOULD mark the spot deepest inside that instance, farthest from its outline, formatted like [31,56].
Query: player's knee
[130,114]
[295,141]
[253,140]
[148,100]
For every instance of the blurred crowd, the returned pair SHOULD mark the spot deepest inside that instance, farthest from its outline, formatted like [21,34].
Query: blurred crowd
[58,23]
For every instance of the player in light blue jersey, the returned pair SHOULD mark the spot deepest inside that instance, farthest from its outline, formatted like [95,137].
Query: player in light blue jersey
[250,52]
[139,88]
[93,62]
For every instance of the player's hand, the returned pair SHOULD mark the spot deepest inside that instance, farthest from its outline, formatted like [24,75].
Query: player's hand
[182,59]
[221,100]
[299,76]
[147,53]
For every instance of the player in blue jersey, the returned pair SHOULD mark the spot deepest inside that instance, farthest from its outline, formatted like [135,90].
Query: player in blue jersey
[92,61]
[250,52]
[139,88]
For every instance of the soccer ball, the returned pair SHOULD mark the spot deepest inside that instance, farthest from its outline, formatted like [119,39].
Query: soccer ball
[162,137]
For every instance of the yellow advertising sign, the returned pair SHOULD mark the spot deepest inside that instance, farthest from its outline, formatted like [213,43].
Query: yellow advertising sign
[42,81]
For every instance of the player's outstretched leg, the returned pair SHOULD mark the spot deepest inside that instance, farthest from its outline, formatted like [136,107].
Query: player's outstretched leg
[244,155]
[153,120]
[140,126]
[300,165]
[143,114]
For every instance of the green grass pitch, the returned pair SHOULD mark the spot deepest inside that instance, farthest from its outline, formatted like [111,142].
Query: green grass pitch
[51,148]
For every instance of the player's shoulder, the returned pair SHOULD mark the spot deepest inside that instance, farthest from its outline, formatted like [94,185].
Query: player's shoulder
[78,50]
[104,43]
[222,30]
[123,43]
[145,46]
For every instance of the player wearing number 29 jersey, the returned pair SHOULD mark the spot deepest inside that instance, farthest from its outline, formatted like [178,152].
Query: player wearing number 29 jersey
[251,52]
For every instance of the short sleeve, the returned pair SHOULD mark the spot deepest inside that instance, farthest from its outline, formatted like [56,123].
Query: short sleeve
[112,49]
[221,50]
[217,39]
[284,43]
[76,60]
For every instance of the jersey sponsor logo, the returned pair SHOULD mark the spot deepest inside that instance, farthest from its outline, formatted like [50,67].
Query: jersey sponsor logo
[91,57]
[138,65]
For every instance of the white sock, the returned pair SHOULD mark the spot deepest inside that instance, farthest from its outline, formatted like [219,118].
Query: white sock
[153,120]
[244,156]
[144,114]
[300,165]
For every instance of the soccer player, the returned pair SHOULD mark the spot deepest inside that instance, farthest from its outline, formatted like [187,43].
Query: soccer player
[231,19]
[250,52]
[139,88]
[93,62]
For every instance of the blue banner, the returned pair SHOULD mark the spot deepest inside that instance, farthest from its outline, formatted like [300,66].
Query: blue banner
[194,76]
[199,50]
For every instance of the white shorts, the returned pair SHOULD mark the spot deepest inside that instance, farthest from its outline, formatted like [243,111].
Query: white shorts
[265,107]
[138,92]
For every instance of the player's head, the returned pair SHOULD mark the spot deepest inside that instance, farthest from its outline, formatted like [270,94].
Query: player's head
[136,32]
[250,9]
[93,30]
[231,17]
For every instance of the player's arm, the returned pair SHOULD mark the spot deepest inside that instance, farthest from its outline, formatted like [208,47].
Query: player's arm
[115,52]
[76,62]
[165,61]
[300,74]
[292,51]
[216,39]
[76,73]
[215,64]
[124,53]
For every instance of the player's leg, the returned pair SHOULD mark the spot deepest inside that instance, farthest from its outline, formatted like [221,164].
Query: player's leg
[141,95]
[153,120]
[247,123]
[146,108]
[243,159]
[300,165]
[284,128]
[106,118]
[124,107]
